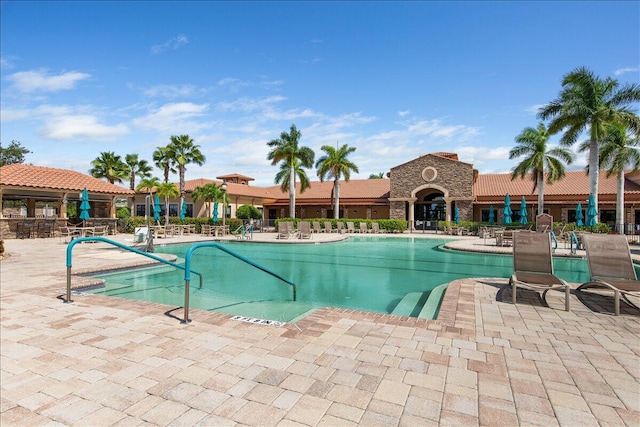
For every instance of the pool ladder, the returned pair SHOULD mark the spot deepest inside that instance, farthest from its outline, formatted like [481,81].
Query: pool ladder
[186,267]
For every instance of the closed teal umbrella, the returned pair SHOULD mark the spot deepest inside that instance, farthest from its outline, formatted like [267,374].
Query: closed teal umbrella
[523,212]
[156,209]
[84,205]
[215,212]
[456,215]
[507,210]
[492,215]
[183,210]
[592,213]
[579,215]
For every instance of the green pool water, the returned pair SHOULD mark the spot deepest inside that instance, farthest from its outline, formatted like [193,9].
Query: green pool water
[363,273]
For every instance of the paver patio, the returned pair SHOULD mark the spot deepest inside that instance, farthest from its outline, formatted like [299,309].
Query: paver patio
[105,361]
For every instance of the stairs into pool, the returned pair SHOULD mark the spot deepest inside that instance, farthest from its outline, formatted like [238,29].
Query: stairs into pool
[424,305]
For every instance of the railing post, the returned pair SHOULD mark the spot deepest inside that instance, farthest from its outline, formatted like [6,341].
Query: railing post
[68,285]
[186,302]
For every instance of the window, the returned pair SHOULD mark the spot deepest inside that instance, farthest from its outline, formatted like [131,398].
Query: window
[140,210]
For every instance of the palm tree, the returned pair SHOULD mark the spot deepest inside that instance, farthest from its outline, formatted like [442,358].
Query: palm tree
[108,166]
[286,149]
[284,176]
[335,164]
[162,159]
[619,150]
[379,175]
[209,193]
[135,168]
[167,190]
[183,151]
[148,184]
[533,144]
[588,102]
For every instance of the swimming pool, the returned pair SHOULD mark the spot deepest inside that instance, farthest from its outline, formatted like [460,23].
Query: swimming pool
[363,273]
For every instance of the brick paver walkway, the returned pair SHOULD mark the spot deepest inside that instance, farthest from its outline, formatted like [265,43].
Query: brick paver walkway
[107,362]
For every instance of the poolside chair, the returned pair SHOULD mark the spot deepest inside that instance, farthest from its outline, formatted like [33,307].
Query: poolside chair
[340,227]
[316,227]
[283,230]
[611,267]
[363,228]
[544,223]
[100,230]
[533,266]
[205,230]
[327,227]
[304,230]
[375,228]
[350,227]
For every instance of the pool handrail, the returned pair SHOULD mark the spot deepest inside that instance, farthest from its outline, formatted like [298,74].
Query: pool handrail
[187,263]
[130,249]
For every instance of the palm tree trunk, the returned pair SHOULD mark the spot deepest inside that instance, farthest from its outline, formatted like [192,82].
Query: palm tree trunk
[540,193]
[594,171]
[182,191]
[336,185]
[292,191]
[166,216]
[620,204]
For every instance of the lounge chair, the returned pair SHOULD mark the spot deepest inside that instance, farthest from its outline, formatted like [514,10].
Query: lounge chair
[327,227]
[363,228]
[283,230]
[205,229]
[340,226]
[316,227]
[533,266]
[350,227]
[544,223]
[304,230]
[375,228]
[69,233]
[100,230]
[611,267]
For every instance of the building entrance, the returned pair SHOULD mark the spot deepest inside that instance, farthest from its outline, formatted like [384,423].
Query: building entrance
[432,207]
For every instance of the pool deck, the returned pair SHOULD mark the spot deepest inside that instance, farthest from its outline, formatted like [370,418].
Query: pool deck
[103,361]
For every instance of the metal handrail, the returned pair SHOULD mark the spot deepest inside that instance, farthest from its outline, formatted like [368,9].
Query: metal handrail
[74,242]
[187,265]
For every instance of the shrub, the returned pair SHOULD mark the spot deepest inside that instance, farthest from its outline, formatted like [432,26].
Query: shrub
[248,212]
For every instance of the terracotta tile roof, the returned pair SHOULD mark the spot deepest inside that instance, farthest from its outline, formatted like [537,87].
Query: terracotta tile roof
[19,175]
[353,189]
[574,183]
[235,175]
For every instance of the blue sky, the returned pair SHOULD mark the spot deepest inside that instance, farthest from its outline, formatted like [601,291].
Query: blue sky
[396,80]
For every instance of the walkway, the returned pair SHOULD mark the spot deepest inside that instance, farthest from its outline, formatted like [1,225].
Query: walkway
[108,362]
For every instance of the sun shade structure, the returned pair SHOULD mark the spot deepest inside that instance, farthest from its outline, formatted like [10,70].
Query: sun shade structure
[507,210]
[523,212]
[492,215]
[579,215]
[592,213]
[156,209]
[84,205]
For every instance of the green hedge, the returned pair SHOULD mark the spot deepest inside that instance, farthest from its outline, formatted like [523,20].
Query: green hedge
[132,223]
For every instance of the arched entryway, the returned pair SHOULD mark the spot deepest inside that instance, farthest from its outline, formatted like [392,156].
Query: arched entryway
[430,205]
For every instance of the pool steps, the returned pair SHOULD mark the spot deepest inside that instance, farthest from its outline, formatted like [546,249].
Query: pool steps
[426,304]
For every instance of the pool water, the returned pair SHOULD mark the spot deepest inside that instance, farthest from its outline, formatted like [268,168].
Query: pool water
[363,273]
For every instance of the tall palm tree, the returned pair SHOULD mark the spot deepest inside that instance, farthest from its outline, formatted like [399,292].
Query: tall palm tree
[619,150]
[183,151]
[167,190]
[136,167]
[284,178]
[532,142]
[148,184]
[209,193]
[108,166]
[589,103]
[162,159]
[334,164]
[286,149]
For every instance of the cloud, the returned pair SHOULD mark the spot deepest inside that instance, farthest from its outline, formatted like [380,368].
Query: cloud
[533,109]
[174,91]
[246,104]
[171,44]
[39,80]
[175,118]
[7,62]
[404,113]
[625,70]
[81,127]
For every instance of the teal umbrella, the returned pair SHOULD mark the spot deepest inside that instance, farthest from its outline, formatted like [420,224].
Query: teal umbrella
[492,215]
[507,210]
[523,212]
[183,210]
[156,209]
[579,215]
[456,215]
[592,213]
[215,212]
[84,205]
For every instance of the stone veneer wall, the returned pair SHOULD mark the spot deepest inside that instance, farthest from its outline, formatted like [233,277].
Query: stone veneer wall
[453,176]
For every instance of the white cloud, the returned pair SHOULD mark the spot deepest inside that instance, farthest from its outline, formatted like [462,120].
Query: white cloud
[176,118]
[81,127]
[173,91]
[625,70]
[404,113]
[173,43]
[39,80]
[249,104]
